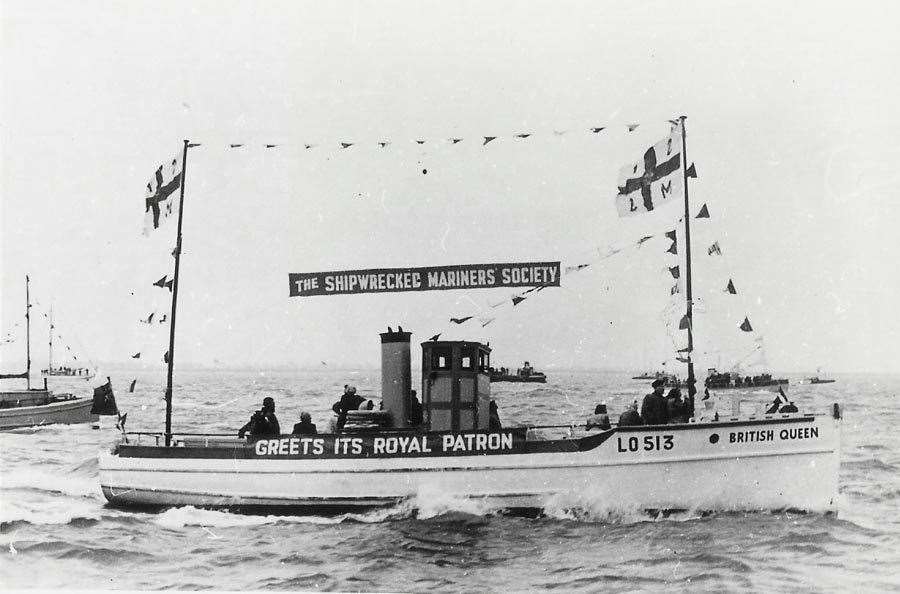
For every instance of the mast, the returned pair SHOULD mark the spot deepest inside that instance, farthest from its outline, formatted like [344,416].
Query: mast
[171,361]
[50,357]
[27,333]
[687,241]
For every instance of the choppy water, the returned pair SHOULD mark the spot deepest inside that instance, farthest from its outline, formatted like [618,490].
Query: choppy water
[55,530]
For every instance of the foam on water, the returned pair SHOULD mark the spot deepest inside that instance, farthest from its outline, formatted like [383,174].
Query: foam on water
[65,484]
[177,518]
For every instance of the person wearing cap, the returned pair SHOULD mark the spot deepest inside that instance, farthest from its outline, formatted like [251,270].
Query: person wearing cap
[654,410]
[263,423]
[305,426]
[350,400]
[600,419]
[631,416]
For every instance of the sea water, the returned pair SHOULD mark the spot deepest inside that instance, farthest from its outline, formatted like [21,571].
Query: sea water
[57,532]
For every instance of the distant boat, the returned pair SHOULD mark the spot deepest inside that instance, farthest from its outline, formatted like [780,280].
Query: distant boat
[38,406]
[818,379]
[63,370]
[526,374]
[727,381]
[649,376]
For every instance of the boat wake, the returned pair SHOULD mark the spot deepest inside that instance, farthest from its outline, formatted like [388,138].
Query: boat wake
[178,518]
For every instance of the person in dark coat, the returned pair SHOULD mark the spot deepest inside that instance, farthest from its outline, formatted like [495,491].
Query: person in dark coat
[415,410]
[263,423]
[350,400]
[305,426]
[654,410]
[494,423]
[600,419]
[630,417]
[676,407]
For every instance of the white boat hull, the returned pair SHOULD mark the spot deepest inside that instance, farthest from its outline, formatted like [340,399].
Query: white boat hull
[77,410]
[709,466]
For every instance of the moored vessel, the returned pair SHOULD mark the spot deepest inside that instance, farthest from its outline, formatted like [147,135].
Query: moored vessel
[38,406]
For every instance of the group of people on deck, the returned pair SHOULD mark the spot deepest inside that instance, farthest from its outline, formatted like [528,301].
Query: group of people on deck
[656,409]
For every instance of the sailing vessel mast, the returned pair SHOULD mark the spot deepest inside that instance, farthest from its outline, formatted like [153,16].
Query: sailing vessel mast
[50,357]
[27,333]
[171,352]
[691,380]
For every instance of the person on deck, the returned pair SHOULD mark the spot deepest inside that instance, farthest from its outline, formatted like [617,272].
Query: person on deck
[415,410]
[494,423]
[675,406]
[263,423]
[653,409]
[599,420]
[349,401]
[631,416]
[305,426]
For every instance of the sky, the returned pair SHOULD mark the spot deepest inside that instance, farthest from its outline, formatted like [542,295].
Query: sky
[791,122]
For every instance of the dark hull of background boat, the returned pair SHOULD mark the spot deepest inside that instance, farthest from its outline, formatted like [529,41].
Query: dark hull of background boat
[67,412]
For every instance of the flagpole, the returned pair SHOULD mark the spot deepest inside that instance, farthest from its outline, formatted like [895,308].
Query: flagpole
[27,333]
[171,362]
[687,241]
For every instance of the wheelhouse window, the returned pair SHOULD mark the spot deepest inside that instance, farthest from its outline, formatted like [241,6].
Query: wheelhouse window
[440,358]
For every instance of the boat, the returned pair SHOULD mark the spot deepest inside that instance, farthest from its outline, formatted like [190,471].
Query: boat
[524,374]
[734,381]
[726,460]
[63,370]
[819,379]
[649,376]
[39,406]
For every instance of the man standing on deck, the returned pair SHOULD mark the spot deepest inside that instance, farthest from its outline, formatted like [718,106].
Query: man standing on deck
[349,401]
[653,409]
[263,423]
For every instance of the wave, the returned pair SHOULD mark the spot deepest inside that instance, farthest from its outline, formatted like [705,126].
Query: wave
[65,484]
[178,518]
[71,511]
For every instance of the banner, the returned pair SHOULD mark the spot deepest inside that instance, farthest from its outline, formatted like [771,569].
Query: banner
[429,278]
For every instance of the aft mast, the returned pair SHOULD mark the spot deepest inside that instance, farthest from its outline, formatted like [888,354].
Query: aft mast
[171,353]
[50,354]
[27,332]
[691,380]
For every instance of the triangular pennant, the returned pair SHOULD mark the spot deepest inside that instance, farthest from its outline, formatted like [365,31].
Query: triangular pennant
[517,300]
[682,359]
[235,145]
[684,350]
[523,135]
[714,249]
[308,146]
[131,387]
[136,356]
[487,139]
[162,320]
[674,290]
[161,282]
[460,320]
[703,214]
[420,142]
[633,127]
[487,321]
[691,171]
[166,357]
[644,238]
[169,285]
[435,337]
[597,130]
[673,249]
[271,145]
[149,319]
[684,323]
[104,400]
[674,271]
[456,140]
[730,288]
[745,325]
[383,143]
[193,144]
[671,234]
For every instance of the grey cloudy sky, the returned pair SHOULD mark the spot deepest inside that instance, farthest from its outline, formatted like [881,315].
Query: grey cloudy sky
[792,122]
